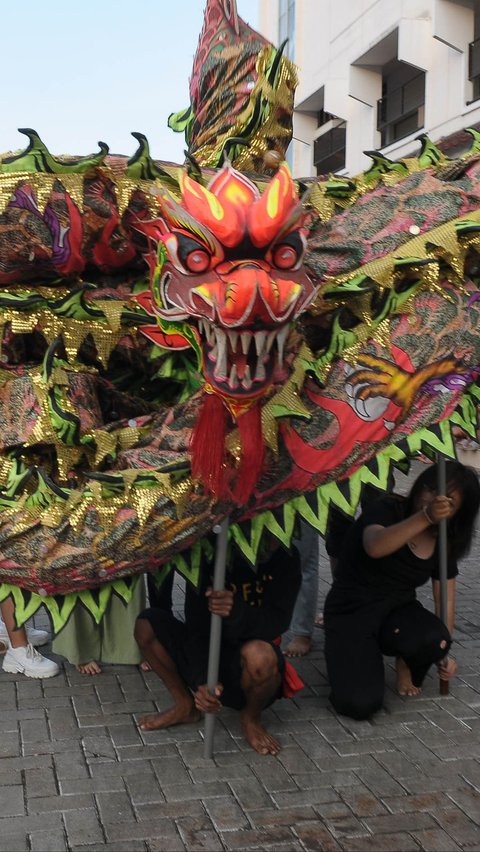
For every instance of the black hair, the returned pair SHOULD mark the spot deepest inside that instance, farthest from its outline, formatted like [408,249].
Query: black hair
[460,528]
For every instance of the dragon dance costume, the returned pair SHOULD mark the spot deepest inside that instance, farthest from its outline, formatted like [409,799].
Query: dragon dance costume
[183,344]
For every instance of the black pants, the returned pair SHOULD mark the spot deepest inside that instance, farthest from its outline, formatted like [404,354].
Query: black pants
[189,651]
[356,641]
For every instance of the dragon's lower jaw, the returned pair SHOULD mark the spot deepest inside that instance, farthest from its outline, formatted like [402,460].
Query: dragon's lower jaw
[241,363]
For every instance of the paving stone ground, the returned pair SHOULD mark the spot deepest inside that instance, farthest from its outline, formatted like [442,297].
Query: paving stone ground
[76,773]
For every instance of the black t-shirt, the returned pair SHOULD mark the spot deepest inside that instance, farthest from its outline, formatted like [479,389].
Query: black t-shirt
[264,598]
[401,572]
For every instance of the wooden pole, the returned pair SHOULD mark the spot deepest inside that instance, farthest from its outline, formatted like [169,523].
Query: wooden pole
[442,555]
[215,631]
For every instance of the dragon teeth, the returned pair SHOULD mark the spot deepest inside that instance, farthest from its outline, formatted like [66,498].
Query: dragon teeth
[219,338]
[220,371]
[221,368]
[233,338]
[271,337]
[247,379]
[233,379]
[260,340]
[218,352]
[281,338]
[260,372]
[245,339]
[206,330]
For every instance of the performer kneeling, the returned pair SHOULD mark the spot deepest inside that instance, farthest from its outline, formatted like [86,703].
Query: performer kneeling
[372,610]
[256,609]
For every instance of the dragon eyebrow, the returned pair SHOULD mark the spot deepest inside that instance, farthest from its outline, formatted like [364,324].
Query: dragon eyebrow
[180,218]
[294,218]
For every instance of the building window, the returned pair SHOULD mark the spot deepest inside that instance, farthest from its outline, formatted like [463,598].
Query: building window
[474,56]
[323,117]
[286,26]
[329,150]
[474,67]
[400,110]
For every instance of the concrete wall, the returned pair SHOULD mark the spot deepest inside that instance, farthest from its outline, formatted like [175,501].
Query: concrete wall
[340,49]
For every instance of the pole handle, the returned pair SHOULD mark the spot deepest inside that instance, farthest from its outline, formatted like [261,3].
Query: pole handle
[442,553]
[215,631]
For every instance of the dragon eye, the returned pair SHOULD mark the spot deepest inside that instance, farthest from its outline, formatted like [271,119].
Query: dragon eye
[194,256]
[284,257]
[197,261]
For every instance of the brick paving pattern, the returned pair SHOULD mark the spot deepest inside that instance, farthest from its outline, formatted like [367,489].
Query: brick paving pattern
[76,773]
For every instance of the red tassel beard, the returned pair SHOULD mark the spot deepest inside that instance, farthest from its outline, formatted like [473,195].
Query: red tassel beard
[207,446]
[252,453]
[208,452]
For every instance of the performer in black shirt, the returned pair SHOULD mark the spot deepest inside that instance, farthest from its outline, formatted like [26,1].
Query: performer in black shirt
[256,608]
[372,610]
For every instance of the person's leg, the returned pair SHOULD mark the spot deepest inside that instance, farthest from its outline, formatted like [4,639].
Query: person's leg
[80,642]
[306,604]
[260,681]
[35,637]
[164,665]
[21,657]
[91,668]
[337,529]
[355,668]
[417,638]
[17,635]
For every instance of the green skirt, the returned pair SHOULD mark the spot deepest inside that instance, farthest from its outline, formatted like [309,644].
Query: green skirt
[111,641]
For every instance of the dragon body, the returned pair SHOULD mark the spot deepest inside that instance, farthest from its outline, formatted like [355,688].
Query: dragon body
[179,345]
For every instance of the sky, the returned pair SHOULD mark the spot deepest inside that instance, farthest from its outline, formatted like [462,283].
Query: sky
[79,72]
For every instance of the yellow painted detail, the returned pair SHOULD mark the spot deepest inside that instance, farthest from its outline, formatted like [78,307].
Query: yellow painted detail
[237,194]
[189,186]
[272,200]
[203,290]
[215,207]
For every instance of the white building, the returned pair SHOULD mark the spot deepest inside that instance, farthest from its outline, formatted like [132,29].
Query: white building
[374,74]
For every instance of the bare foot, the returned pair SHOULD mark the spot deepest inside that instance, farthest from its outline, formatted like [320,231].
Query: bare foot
[179,714]
[91,668]
[318,621]
[404,680]
[299,646]
[256,735]
[145,666]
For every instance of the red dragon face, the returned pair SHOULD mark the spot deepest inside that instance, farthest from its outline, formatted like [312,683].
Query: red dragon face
[234,272]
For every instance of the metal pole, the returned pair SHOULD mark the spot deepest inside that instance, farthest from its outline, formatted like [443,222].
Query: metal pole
[442,555]
[215,630]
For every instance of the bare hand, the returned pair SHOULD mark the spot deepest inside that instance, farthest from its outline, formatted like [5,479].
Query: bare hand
[220,602]
[206,702]
[447,668]
[439,509]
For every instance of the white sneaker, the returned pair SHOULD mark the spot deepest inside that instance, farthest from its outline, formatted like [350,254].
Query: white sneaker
[26,660]
[34,637]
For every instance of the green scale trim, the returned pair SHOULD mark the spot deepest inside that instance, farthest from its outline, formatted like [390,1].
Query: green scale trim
[313,509]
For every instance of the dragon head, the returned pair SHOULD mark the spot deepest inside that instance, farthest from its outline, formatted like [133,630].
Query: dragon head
[233,272]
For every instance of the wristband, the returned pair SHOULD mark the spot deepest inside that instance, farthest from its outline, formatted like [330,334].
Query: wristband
[429,519]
